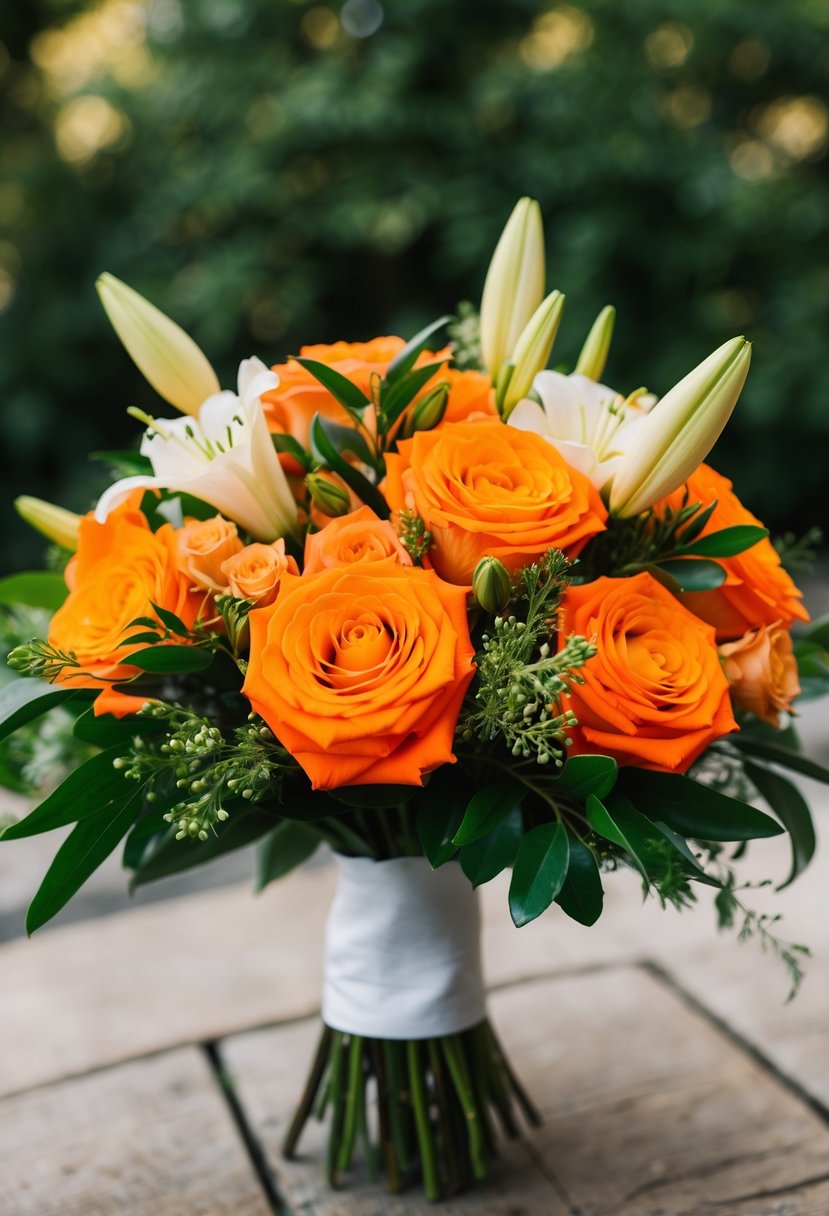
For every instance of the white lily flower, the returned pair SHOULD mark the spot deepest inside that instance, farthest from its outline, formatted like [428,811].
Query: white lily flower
[531,354]
[167,357]
[593,356]
[589,424]
[514,284]
[224,456]
[681,431]
[53,522]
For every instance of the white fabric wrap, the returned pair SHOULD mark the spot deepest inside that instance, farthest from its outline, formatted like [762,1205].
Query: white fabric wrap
[402,950]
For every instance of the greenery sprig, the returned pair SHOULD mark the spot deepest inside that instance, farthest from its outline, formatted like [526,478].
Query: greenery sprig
[194,756]
[520,680]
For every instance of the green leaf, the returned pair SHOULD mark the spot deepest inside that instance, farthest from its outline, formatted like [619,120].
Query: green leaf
[88,844]
[174,623]
[694,809]
[581,895]
[692,865]
[23,700]
[329,454]
[171,659]
[438,819]
[171,856]
[374,796]
[791,809]
[126,463]
[583,775]
[292,447]
[486,857]
[150,828]
[727,542]
[539,872]
[786,757]
[619,822]
[812,659]
[34,589]
[693,573]
[486,808]
[283,850]
[106,730]
[407,357]
[818,632]
[344,390]
[348,439]
[90,787]
[396,398]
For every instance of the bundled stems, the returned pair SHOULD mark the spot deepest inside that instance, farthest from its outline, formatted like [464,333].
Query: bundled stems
[431,1105]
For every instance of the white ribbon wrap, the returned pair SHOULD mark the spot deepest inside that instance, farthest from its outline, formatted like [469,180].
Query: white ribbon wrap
[402,950]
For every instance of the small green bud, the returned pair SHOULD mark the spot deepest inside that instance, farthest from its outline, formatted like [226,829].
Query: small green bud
[491,584]
[326,495]
[429,410]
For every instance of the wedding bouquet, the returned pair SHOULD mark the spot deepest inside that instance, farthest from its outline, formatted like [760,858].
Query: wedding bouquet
[450,613]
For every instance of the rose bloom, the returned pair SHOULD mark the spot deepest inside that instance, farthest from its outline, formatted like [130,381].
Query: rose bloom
[654,694]
[290,408]
[120,570]
[357,537]
[487,490]
[360,672]
[762,671]
[757,590]
[255,572]
[203,546]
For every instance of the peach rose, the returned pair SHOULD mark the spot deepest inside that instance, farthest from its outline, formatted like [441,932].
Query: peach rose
[488,490]
[762,671]
[757,590]
[654,694]
[360,672]
[255,572]
[358,537]
[203,545]
[120,570]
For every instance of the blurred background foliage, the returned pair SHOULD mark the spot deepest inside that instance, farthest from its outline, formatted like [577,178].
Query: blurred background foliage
[274,172]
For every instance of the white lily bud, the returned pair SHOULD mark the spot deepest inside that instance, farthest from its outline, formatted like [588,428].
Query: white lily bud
[680,431]
[532,351]
[166,356]
[55,523]
[593,357]
[514,284]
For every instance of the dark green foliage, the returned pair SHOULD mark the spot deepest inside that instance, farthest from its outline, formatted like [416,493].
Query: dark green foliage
[284,181]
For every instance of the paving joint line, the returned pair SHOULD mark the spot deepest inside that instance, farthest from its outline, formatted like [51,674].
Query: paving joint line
[250,1141]
[296,1019]
[669,980]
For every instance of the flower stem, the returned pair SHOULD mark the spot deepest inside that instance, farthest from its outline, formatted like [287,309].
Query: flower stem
[431,1184]
[354,1089]
[457,1069]
[307,1101]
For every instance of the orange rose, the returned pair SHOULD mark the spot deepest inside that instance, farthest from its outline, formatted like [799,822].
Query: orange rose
[203,546]
[120,570]
[360,672]
[757,590]
[290,408]
[358,537]
[762,671]
[485,489]
[471,395]
[654,694]
[256,572]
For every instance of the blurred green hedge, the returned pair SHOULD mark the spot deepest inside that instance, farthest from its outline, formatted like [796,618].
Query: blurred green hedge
[273,173]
